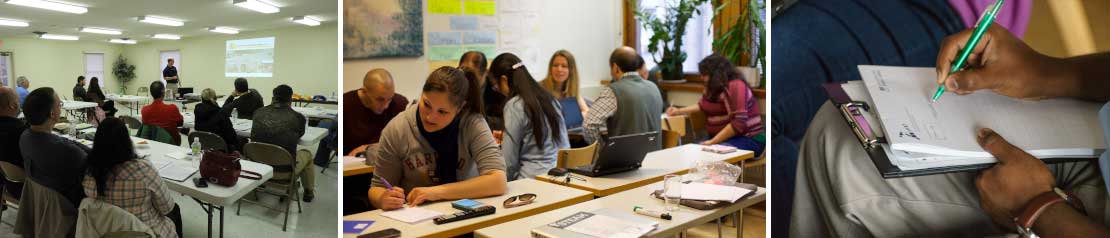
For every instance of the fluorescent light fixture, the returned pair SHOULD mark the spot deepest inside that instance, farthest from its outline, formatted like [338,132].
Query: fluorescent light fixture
[306,20]
[15,23]
[123,41]
[223,29]
[50,5]
[99,31]
[166,36]
[257,5]
[58,37]
[161,21]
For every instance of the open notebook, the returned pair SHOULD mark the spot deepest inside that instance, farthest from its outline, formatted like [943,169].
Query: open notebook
[927,134]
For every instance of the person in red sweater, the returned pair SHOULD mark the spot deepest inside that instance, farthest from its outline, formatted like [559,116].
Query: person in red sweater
[159,114]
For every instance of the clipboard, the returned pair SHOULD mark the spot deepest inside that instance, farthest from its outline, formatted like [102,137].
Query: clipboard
[856,111]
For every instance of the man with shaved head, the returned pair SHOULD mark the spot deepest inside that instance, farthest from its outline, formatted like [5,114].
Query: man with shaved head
[368,109]
[10,130]
[629,105]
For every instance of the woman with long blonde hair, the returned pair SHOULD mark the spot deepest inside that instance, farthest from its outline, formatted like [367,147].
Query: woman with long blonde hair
[562,79]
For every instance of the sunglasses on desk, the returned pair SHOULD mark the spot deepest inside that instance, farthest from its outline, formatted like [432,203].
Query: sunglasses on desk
[519,200]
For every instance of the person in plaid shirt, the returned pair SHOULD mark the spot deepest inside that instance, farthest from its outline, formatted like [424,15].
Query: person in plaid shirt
[118,176]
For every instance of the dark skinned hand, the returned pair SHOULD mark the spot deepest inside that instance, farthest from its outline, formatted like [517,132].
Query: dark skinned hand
[1017,178]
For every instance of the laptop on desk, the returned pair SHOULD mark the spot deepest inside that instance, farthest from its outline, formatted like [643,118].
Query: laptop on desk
[621,153]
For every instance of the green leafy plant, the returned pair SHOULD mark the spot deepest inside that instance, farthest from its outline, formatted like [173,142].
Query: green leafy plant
[123,71]
[667,31]
[747,35]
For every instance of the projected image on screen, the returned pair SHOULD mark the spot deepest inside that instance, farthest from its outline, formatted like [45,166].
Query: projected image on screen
[250,58]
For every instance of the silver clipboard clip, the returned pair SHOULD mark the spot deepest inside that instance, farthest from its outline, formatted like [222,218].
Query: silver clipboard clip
[853,112]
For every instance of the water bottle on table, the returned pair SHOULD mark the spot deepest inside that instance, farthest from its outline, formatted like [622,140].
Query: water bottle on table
[196,148]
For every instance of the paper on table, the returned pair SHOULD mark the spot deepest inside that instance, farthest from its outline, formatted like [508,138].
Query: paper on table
[712,192]
[600,225]
[352,160]
[411,215]
[177,155]
[1045,129]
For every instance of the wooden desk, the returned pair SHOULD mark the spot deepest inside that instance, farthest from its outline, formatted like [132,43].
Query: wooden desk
[356,168]
[682,219]
[549,197]
[677,160]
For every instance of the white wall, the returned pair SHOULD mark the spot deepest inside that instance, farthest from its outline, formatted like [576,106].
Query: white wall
[589,29]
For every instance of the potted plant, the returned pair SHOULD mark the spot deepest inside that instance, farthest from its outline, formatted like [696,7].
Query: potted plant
[124,72]
[744,38]
[667,29]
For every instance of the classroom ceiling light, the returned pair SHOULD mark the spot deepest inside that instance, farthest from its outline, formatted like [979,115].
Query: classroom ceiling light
[306,20]
[161,21]
[57,37]
[257,5]
[15,23]
[166,36]
[223,29]
[99,30]
[123,41]
[50,5]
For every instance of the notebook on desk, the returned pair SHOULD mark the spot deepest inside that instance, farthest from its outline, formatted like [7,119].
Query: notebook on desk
[905,134]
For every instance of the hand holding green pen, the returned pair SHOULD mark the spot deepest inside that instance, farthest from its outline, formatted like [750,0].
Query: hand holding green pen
[981,27]
[1004,64]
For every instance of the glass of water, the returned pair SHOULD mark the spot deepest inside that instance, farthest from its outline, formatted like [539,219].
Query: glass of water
[672,191]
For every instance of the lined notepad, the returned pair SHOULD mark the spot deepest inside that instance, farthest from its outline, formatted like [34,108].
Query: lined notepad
[411,215]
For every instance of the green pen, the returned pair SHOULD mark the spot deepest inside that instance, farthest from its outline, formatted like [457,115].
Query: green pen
[980,28]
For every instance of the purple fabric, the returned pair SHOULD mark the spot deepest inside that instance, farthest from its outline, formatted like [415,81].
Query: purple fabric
[1014,14]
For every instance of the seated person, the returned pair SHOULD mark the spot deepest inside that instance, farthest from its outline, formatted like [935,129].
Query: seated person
[243,101]
[280,125]
[48,159]
[118,176]
[11,128]
[534,127]
[209,118]
[94,94]
[492,99]
[367,110]
[730,108]
[79,89]
[861,203]
[562,79]
[629,105]
[23,89]
[159,114]
[440,149]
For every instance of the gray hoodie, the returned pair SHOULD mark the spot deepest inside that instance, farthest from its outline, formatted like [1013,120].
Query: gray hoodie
[405,158]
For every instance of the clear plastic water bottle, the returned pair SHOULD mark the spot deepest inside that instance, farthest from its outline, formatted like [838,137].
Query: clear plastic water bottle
[234,113]
[196,147]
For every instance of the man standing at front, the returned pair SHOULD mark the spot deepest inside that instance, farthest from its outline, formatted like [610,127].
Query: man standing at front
[172,82]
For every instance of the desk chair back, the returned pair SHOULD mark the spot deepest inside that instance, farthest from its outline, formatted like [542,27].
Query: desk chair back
[285,174]
[155,133]
[575,157]
[208,141]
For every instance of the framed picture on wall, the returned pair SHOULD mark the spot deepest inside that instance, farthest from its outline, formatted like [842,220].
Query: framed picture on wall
[382,28]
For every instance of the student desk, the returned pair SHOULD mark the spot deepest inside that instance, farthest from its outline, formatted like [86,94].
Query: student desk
[135,103]
[355,166]
[549,197]
[214,197]
[309,141]
[677,160]
[682,219]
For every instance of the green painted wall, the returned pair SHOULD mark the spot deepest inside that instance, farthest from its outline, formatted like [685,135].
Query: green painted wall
[305,58]
[56,64]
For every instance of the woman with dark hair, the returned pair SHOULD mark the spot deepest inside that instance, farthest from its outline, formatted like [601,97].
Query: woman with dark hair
[534,127]
[116,175]
[95,94]
[439,149]
[492,99]
[210,118]
[729,105]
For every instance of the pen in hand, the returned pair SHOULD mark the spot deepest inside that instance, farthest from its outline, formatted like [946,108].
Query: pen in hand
[980,29]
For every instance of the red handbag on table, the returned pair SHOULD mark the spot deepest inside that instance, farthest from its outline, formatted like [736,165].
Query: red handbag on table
[222,168]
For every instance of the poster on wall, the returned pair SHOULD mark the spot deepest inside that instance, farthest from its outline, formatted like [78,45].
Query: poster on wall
[382,28]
